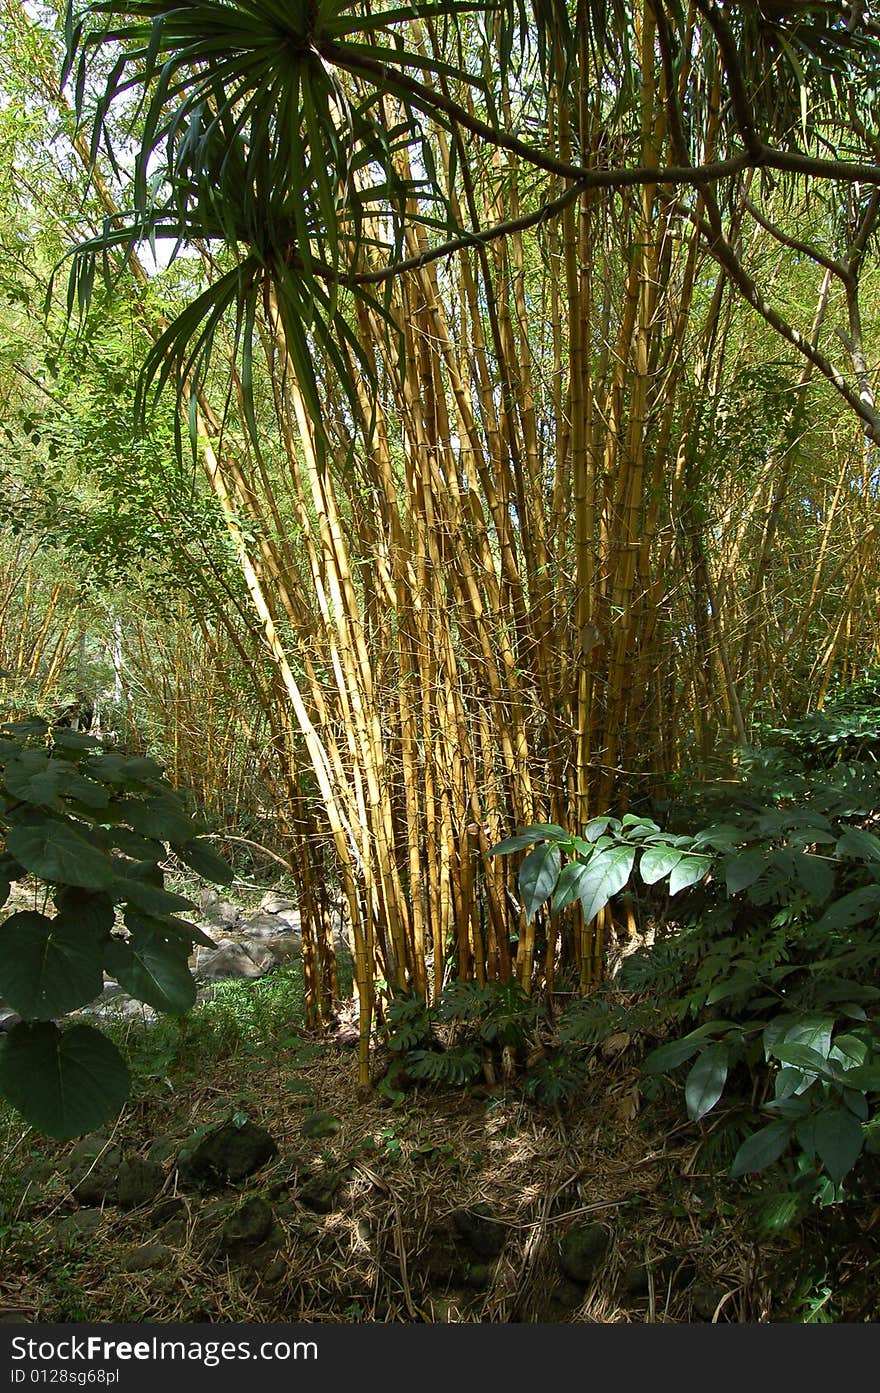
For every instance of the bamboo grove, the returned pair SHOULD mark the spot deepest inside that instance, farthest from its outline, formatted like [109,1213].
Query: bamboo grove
[518,530]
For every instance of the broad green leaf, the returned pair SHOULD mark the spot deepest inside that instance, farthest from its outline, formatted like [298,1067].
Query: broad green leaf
[63,1083]
[152,899]
[186,933]
[537,832]
[91,911]
[722,836]
[137,847]
[811,1029]
[810,1060]
[816,875]
[656,862]
[161,818]
[56,852]
[631,823]
[671,1055]
[607,873]
[864,1076]
[859,845]
[839,1140]
[48,966]
[568,886]
[851,909]
[538,875]
[75,740]
[201,857]
[848,1051]
[706,1080]
[597,825]
[743,869]
[152,969]
[689,870]
[762,1148]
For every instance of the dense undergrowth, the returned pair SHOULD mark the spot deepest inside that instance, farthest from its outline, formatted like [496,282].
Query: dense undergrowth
[749,1003]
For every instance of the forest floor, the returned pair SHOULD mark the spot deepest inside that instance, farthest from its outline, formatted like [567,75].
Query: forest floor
[441,1205]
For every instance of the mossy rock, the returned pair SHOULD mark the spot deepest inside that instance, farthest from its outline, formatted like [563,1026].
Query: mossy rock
[71,1228]
[480,1230]
[320,1124]
[146,1257]
[319,1193]
[138,1182]
[171,1207]
[91,1170]
[230,1153]
[248,1225]
[581,1251]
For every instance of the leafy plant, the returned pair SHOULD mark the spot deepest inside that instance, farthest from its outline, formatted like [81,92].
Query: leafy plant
[91,827]
[447,1042]
[771,947]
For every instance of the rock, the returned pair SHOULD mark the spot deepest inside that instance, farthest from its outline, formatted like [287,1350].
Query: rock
[38,1173]
[320,1124]
[72,1227]
[247,1226]
[259,925]
[138,1182]
[91,1169]
[168,1209]
[277,904]
[275,1272]
[147,1256]
[217,911]
[282,949]
[319,1192]
[581,1251]
[635,1280]
[566,1295]
[162,1148]
[477,1275]
[229,959]
[483,1233]
[9,1019]
[705,1298]
[229,1153]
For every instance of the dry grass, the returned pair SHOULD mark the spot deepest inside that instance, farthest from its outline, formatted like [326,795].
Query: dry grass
[382,1254]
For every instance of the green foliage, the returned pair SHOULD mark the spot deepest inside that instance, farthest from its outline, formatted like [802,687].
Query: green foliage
[771,950]
[448,1042]
[92,828]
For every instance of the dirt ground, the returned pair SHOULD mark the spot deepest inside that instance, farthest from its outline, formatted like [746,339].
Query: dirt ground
[394,1243]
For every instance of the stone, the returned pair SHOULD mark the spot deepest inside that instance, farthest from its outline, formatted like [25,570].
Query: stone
[320,1124]
[75,1226]
[320,1191]
[170,1208]
[705,1298]
[217,911]
[275,1272]
[276,904]
[230,1153]
[635,1280]
[91,1169]
[9,1019]
[162,1149]
[567,1295]
[236,960]
[261,925]
[138,1182]
[146,1257]
[581,1251]
[283,949]
[478,1228]
[248,1225]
